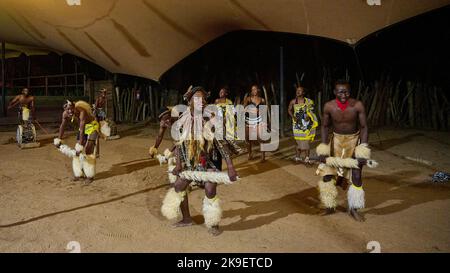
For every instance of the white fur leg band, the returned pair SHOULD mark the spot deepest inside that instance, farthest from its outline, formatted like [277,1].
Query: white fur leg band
[77,167]
[78,147]
[363,151]
[171,204]
[355,197]
[66,150]
[88,164]
[323,149]
[213,177]
[328,194]
[212,212]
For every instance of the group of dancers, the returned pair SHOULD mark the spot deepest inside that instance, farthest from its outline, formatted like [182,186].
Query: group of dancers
[196,159]
[341,157]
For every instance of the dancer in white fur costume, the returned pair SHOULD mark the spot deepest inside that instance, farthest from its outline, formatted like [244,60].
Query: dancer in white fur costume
[198,160]
[83,157]
[347,118]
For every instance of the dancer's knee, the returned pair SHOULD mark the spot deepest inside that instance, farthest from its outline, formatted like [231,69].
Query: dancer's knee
[180,185]
[210,190]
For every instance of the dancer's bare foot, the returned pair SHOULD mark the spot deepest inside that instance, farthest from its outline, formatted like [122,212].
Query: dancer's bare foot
[328,211]
[356,215]
[307,161]
[214,231]
[88,181]
[183,223]
[309,164]
[75,179]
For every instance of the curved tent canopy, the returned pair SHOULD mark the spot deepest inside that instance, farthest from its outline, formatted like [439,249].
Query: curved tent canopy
[147,37]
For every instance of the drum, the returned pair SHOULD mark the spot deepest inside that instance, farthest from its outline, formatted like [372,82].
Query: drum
[19,134]
[105,129]
[26,133]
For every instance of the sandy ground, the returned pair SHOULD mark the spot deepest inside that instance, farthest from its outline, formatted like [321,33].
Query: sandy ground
[273,208]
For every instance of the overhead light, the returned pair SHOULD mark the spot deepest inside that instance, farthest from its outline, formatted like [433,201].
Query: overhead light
[73,2]
[374,2]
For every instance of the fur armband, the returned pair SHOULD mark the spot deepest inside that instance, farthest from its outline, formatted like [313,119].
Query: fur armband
[152,151]
[323,149]
[56,141]
[78,147]
[362,151]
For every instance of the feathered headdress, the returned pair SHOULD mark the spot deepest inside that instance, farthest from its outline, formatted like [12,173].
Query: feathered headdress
[192,90]
[85,106]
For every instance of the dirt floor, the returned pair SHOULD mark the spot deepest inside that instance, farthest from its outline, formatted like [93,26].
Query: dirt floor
[273,208]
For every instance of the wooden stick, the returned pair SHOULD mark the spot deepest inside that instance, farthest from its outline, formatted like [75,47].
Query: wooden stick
[42,128]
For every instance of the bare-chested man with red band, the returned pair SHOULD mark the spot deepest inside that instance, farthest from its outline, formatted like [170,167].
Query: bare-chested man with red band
[346,118]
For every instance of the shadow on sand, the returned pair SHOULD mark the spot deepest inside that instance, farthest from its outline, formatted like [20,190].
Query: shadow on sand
[37,218]
[126,168]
